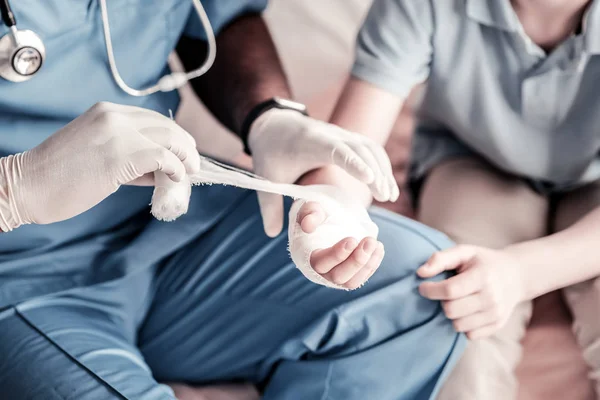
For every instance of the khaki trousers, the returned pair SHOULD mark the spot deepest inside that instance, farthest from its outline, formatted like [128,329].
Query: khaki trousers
[474,203]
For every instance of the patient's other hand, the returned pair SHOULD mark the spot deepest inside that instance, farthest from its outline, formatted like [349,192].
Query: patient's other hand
[482,296]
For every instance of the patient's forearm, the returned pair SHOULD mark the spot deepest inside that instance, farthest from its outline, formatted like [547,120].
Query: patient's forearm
[562,259]
[246,72]
[367,109]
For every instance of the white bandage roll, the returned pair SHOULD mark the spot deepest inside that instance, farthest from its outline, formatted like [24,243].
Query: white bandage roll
[170,200]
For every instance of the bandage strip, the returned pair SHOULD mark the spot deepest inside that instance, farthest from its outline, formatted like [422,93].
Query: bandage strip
[171,199]
[344,219]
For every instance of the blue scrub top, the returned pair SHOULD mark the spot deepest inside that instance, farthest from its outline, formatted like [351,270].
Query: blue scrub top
[74,77]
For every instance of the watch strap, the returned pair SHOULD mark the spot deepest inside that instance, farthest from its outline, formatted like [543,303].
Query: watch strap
[263,107]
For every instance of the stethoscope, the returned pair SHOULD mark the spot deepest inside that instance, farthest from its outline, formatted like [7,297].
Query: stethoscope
[22,53]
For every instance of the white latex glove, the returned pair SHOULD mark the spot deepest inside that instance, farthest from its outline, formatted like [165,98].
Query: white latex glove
[286,144]
[333,241]
[86,161]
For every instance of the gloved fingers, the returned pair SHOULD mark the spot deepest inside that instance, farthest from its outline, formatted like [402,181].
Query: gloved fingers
[342,273]
[144,180]
[386,166]
[387,189]
[369,269]
[177,145]
[344,157]
[324,260]
[310,216]
[142,119]
[271,210]
[157,159]
[379,187]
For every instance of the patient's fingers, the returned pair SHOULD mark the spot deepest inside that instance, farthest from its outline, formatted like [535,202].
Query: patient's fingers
[484,332]
[446,260]
[310,216]
[456,287]
[368,270]
[463,307]
[474,321]
[344,271]
[324,260]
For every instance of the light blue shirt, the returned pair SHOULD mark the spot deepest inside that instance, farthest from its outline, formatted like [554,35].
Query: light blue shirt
[76,75]
[490,90]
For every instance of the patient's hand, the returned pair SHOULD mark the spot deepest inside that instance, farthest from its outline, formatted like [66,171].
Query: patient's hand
[348,263]
[481,298]
[345,263]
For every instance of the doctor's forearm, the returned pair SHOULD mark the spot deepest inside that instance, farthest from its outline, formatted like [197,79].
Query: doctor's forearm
[246,72]
[562,259]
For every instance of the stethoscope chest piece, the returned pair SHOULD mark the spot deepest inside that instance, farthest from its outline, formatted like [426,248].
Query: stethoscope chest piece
[22,53]
[20,60]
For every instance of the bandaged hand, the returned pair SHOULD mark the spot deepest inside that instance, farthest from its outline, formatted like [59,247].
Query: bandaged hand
[482,296]
[334,242]
[286,145]
[80,165]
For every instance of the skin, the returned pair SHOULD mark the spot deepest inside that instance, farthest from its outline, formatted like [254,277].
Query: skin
[549,22]
[491,283]
[246,72]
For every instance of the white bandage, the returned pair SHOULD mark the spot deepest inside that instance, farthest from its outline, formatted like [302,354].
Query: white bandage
[170,200]
[345,218]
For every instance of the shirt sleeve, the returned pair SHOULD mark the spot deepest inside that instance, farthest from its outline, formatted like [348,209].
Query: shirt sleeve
[394,45]
[220,14]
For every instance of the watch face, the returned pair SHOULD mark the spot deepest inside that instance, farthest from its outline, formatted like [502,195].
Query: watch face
[27,61]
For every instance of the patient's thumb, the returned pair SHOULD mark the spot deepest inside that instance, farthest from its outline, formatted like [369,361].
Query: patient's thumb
[271,210]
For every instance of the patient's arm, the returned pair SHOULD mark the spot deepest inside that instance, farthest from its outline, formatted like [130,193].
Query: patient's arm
[491,283]
[247,70]
[365,109]
[563,259]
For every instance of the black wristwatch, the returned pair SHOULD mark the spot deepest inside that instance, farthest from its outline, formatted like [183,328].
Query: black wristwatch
[261,108]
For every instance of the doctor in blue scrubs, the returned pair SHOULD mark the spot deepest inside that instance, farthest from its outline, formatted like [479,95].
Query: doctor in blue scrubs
[98,300]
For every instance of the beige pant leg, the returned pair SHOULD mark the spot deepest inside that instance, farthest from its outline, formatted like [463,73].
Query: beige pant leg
[475,204]
[584,298]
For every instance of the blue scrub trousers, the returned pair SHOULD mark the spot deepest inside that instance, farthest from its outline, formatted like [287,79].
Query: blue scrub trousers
[229,305]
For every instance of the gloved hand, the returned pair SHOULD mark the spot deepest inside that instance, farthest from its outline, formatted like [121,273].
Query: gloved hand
[286,144]
[86,161]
